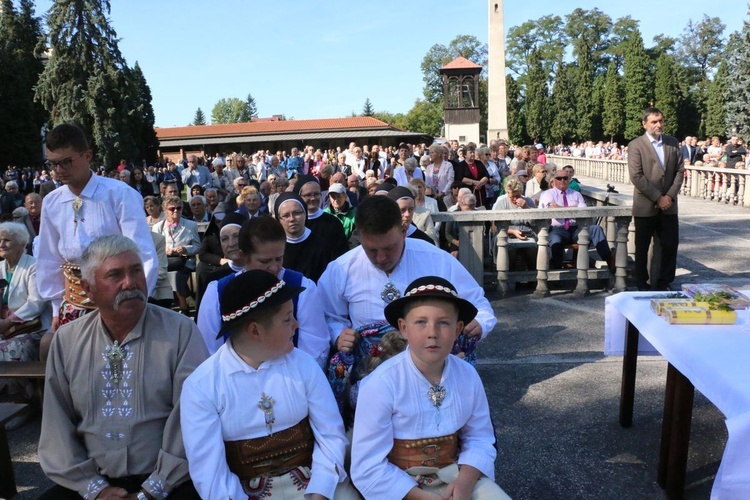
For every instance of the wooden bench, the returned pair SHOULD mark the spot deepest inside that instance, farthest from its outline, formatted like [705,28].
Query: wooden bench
[31,370]
[8,411]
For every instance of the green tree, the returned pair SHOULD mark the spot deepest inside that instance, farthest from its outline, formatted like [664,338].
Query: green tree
[367,109]
[583,83]
[143,119]
[439,55]
[231,110]
[701,46]
[544,35]
[738,87]
[537,94]
[638,86]
[516,117]
[85,80]
[623,29]
[20,66]
[613,113]
[425,117]
[716,102]
[667,92]
[199,118]
[589,33]
[563,105]
[252,107]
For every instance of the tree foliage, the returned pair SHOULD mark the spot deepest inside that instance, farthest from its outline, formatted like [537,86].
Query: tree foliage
[231,110]
[563,104]
[252,107]
[544,35]
[142,117]
[87,81]
[638,86]
[738,86]
[589,33]
[537,103]
[716,103]
[367,109]
[199,118]
[20,66]
[667,92]
[516,116]
[613,113]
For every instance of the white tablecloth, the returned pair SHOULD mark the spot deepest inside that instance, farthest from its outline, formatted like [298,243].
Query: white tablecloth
[716,359]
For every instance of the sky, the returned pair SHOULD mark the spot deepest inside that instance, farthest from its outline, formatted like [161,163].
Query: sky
[322,59]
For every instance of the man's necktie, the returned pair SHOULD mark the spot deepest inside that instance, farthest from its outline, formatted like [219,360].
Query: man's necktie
[565,204]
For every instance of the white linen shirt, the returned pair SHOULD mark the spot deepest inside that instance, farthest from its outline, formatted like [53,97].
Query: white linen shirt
[351,285]
[109,207]
[394,404]
[313,332]
[219,404]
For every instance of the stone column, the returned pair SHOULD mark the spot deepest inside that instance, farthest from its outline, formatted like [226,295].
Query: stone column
[497,111]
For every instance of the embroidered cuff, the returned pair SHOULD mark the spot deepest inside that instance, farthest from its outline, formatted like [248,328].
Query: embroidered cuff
[156,486]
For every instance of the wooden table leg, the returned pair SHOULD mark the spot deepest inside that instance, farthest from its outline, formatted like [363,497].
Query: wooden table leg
[7,479]
[679,438]
[629,365]
[666,427]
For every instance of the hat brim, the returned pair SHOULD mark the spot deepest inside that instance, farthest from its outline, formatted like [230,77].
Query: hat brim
[287,293]
[395,310]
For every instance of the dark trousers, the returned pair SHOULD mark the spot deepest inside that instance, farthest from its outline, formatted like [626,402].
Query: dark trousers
[559,237]
[185,491]
[667,228]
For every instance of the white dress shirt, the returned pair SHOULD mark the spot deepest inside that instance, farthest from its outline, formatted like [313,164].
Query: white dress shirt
[351,285]
[219,403]
[109,207]
[398,407]
[313,333]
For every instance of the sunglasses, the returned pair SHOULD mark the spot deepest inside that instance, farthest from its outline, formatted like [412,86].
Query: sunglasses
[562,178]
[174,209]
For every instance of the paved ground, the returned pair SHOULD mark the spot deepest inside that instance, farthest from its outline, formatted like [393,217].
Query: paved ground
[554,396]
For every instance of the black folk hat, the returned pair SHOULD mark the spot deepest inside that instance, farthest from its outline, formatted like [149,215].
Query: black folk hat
[432,287]
[251,292]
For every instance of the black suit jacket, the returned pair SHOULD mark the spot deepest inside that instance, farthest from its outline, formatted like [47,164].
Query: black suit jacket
[688,153]
[46,188]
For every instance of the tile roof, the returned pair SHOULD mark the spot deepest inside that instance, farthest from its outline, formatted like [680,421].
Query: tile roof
[249,128]
[461,63]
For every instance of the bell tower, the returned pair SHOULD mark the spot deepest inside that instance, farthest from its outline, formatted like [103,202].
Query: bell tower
[461,100]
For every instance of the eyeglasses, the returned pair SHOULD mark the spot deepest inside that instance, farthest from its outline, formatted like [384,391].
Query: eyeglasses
[174,209]
[311,195]
[64,164]
[562,178]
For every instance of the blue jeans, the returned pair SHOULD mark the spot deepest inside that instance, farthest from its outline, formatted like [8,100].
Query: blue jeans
[559,237]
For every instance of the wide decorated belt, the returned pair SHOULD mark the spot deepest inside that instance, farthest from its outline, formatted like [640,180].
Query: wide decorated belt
[74,292]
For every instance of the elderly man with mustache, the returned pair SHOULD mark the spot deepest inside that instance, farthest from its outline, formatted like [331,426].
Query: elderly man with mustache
[111,423]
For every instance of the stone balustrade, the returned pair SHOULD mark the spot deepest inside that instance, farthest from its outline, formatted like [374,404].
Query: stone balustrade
[616,222]
[720,185]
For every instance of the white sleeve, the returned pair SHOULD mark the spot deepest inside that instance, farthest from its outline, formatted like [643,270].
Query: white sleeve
[204,443]
[477,437]
[372,473]
[335,306]
[133,225]
[468,288]
[209,318]
[314,338]
[328,428]
[50,281]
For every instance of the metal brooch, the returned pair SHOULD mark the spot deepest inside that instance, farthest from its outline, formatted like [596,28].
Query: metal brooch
[115,355]
[389,293]
[266,406]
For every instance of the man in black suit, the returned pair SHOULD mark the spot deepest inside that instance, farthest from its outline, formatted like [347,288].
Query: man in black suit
[688,150]
[656,170]
[49,186]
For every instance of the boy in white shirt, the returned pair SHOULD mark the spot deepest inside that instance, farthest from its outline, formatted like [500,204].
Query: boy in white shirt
[422,429]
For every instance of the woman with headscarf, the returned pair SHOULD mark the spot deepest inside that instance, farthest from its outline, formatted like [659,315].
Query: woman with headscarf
[305,252]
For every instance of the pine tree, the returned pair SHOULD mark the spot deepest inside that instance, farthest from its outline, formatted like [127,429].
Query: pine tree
[516,126]
[144,119]
[667,93]
[738,86]
[613,112]
[86,80]
[584,92]
[367,109]
[638,86]
[716,102]
[252,107]
[537,102]
[563,105]
[199,118]
[20,33]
